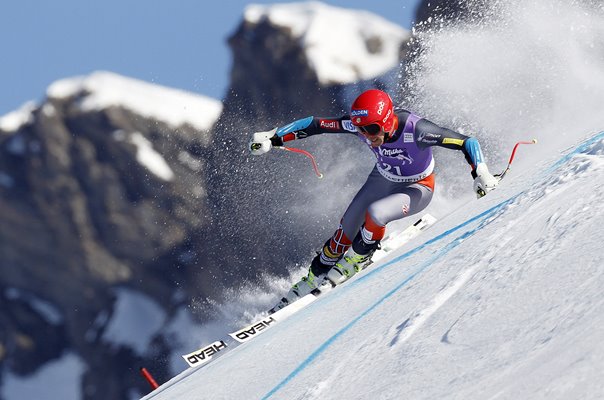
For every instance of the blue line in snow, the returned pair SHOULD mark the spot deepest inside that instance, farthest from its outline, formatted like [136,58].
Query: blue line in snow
[484,215]
[581,148]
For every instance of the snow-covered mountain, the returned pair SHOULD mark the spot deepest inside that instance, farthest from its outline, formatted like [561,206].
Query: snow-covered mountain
[102,90]
[307,57]
[362,46]
[101,188]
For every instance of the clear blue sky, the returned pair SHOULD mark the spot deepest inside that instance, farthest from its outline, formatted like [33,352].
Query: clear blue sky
[180,44]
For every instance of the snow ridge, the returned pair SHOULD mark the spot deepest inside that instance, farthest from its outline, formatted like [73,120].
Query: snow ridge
[102,89]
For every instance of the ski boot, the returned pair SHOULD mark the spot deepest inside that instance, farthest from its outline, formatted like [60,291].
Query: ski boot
[357,258]
[308,283]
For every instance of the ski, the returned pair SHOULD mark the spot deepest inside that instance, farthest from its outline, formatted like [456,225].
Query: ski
[205,354]
[254,329]
[395,240]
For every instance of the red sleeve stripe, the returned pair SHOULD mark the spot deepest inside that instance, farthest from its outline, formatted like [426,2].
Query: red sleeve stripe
[289,137]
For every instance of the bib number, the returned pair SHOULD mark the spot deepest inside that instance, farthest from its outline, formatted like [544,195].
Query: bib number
[389,168]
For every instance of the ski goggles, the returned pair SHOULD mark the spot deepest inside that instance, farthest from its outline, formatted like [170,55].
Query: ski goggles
[370,130]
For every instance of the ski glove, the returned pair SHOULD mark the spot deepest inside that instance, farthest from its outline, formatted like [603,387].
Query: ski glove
[261,142]
[484,182]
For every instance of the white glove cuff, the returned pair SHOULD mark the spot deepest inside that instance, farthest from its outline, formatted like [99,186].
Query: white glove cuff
[261,143]
[262,136]
[482,170]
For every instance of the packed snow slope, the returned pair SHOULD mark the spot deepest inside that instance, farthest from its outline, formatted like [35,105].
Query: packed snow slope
[500,299]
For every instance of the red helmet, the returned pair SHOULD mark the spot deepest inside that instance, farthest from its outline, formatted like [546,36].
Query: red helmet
[373,107]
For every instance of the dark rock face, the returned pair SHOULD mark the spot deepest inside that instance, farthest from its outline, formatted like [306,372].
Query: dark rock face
[271,78]
[81,215]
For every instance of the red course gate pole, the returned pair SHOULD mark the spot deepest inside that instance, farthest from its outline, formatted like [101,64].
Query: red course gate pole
[149,378]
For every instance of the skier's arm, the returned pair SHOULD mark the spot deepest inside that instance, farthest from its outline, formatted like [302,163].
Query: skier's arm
[263,141]
[430,134]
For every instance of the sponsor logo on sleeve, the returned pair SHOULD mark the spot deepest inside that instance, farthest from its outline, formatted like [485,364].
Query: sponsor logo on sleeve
[331,124]
[408,137]
[428,138]
[458,142]
[347,125]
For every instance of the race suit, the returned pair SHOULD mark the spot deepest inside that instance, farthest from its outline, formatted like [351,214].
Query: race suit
[402,181]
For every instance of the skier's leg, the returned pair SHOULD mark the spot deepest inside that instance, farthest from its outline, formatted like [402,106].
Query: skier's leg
[330,253]
[405,202]
[365,243]
[374,188]
[409,200]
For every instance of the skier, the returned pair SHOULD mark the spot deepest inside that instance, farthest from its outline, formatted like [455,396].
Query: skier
[401,183]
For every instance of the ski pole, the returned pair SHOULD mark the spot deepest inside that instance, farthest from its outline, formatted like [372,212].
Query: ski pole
[501,175]
[307,154]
